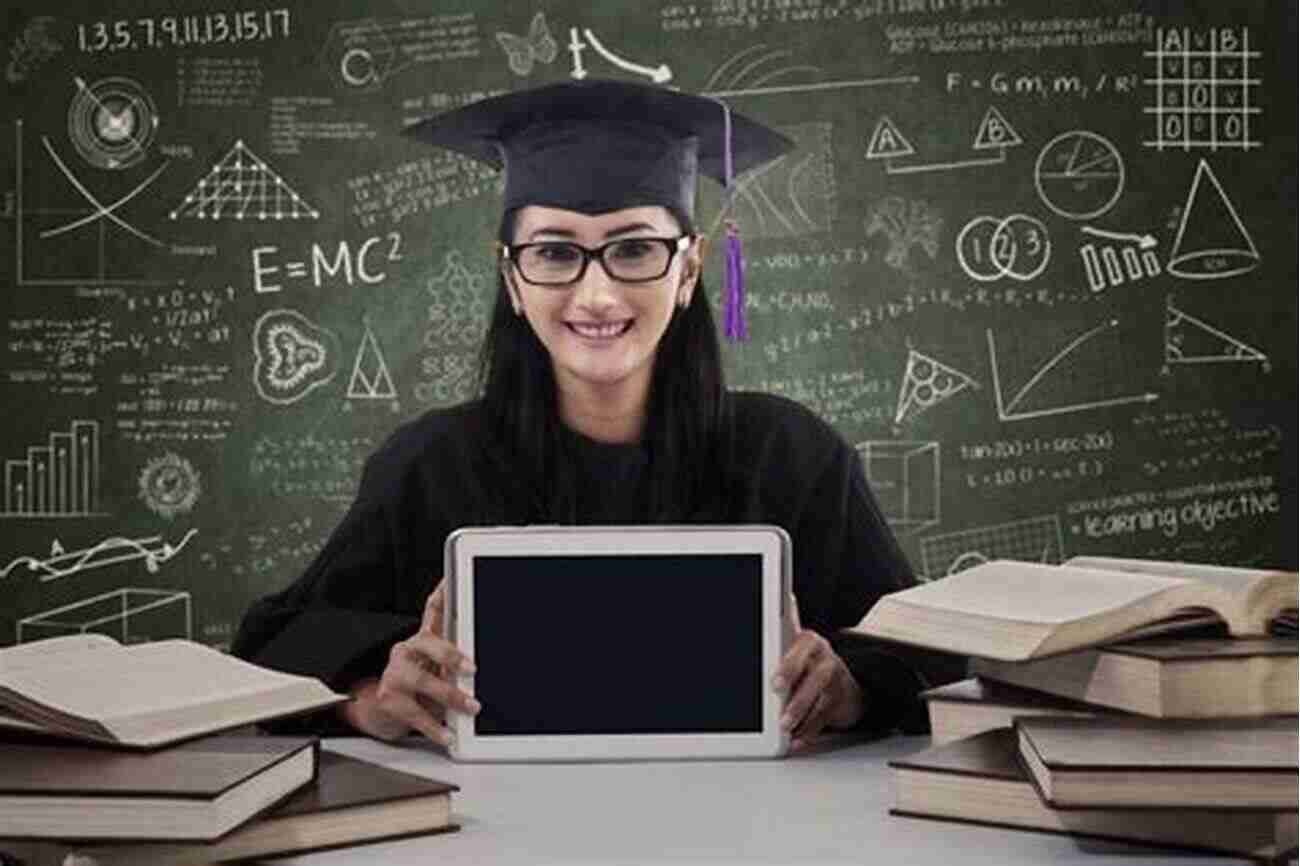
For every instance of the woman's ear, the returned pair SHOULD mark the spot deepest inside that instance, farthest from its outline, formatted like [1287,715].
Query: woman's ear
[693,265]
[507,274]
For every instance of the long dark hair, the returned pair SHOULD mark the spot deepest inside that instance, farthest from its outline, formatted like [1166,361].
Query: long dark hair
[685,418]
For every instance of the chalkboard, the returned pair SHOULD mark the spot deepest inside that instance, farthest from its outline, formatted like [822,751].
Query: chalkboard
[1035,261]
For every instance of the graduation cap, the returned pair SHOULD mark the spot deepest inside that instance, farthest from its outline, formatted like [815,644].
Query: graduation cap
[594,146]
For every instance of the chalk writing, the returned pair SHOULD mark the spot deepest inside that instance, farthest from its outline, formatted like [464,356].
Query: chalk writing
[218,82]
[297,119]
[175,31]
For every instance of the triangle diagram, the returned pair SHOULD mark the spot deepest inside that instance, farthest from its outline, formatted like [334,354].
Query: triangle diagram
[370,379]
[1188,340]
[1212,242]
[927,383]
[995,132]
[887,141]
[241,186]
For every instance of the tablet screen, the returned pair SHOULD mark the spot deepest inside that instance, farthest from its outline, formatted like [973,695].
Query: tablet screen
[630,644]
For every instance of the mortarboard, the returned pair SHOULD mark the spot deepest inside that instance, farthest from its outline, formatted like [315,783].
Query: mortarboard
[595,146]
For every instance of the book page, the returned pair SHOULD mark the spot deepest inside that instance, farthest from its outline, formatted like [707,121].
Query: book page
[1229,578]
[143,678]
[53,651]
[1028,592]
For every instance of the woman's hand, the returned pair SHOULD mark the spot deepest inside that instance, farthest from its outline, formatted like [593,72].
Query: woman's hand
[416,688]
[821,692]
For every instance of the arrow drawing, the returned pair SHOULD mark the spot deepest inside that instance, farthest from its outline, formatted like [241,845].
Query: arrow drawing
[1146,242]
[660,74]
[576,47]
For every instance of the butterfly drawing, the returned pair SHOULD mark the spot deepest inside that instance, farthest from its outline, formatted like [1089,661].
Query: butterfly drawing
[523,51]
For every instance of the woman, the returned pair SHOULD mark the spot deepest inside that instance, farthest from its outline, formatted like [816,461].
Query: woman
[603,402]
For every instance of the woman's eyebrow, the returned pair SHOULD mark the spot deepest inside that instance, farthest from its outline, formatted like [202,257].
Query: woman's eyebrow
[569,233]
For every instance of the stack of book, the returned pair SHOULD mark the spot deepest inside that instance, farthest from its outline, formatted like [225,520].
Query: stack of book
[141,755]
[1136,700]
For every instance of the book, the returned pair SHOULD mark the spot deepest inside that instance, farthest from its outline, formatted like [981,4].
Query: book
[980,780]
[1168,677]
[1013,611]
[195,791]
[1143,763]
[351,802]
[90,687]
[972,706]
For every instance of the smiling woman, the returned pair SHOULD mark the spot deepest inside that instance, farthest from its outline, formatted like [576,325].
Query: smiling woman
[602,402]
[600,328]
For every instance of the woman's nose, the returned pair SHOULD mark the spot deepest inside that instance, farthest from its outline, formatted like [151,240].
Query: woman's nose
[596,290]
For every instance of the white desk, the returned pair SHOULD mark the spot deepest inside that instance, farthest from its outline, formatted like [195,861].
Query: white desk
[826,807]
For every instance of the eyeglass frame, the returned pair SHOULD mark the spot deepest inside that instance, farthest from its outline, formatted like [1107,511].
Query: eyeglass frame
[676,245]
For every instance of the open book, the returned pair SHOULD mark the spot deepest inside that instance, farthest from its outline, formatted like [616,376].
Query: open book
[1003,609]
[90,687]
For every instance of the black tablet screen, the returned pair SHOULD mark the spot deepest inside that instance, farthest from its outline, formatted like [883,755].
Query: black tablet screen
[636,644]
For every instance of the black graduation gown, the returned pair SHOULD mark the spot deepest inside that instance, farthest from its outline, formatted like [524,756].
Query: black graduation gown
[367,588]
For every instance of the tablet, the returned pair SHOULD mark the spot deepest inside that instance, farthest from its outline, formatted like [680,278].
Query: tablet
[619,642]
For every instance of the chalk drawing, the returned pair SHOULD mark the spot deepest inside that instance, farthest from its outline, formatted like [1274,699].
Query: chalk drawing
[130,614]
[169,485]
[241,186]
[38,264]
[1068,378]
[1079,175]
[522,51]
[1016,246]
[905,224]
[370,378]
[791,196]
[1129,258]
[58,478]
[1189,340]
[905,477]
[1204,93]
[758,71]
[31,48]
[660,74]
[152,550]
[927,383]
[112,122]
[994,134]
[292,356]
[1033,539]
[1211,243]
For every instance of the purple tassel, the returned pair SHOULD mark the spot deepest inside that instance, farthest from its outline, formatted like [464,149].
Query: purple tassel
[733,275]
[734,289]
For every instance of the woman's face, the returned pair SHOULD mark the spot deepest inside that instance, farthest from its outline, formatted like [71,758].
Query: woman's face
[601,332]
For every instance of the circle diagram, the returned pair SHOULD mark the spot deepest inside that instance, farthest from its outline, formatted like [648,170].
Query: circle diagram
[1079,175]
[112,122]
[1016,246]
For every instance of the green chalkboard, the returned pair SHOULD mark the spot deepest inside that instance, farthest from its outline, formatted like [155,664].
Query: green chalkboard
[1037,261]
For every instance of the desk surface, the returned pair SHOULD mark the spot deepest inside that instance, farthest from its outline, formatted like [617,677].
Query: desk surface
[829,806]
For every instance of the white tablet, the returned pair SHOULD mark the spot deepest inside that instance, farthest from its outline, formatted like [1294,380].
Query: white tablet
[619,642]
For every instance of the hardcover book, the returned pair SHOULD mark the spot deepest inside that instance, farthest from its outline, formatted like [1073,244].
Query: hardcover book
[1134,762]
[972,706]
[195,791]
[980,780]
[1167,677]
[351,802]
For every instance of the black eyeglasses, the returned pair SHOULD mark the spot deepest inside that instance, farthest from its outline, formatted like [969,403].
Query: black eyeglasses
[562,263]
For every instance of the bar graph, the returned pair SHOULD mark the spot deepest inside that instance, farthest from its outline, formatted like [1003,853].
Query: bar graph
[56,478]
